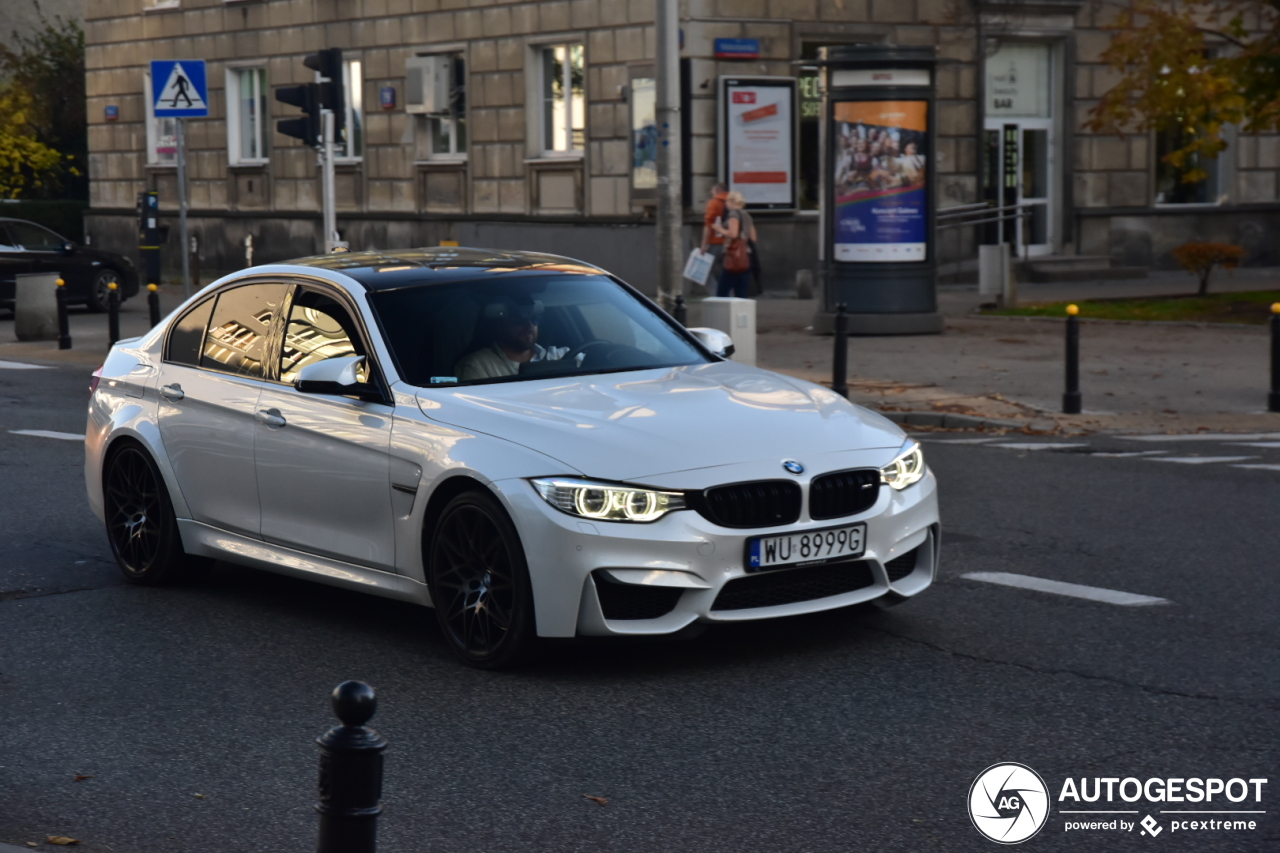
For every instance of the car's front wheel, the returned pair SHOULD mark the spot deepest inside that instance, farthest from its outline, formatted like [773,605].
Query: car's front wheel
[480,585]
[140,522]
[100,290]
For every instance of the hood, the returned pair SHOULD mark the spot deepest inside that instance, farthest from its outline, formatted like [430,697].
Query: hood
[628,426]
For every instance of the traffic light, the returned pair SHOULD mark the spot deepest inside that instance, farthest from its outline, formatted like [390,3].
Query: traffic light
[328,64]
[307,128]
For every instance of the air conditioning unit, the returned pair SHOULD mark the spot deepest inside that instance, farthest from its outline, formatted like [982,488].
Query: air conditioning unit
[427,84]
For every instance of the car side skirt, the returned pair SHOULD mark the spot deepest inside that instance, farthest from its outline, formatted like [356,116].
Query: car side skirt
[205,541]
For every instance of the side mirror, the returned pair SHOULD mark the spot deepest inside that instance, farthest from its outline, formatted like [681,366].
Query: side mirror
[713,339]
[336,376]
[68,248]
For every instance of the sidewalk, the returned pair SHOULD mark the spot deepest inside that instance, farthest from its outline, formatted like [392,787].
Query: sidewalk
[1008,372]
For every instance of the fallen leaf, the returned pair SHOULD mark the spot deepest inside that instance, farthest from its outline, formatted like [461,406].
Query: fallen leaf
[80,777]
[32,844]
[199,796]
[601,800]
[61,839]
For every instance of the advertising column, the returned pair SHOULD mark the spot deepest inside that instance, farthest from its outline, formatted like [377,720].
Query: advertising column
[879,160]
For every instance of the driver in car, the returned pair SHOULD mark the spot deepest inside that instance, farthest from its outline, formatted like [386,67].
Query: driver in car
[514,330]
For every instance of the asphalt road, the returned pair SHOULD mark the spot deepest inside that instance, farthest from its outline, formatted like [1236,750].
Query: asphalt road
[193,711]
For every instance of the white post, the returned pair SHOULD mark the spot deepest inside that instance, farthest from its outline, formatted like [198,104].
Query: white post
[182,206]
[670,201]
[330,217]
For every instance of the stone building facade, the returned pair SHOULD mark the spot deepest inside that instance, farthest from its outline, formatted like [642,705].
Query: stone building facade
[534,140]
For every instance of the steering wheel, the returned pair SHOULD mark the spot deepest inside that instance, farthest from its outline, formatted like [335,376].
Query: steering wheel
[583,347]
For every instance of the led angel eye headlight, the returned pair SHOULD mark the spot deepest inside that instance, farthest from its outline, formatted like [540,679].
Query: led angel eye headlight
[906,469]
[605,502]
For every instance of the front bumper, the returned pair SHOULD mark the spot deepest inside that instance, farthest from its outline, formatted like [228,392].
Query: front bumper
[679,566]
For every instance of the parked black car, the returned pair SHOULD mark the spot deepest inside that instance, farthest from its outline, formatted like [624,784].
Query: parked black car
[28,247]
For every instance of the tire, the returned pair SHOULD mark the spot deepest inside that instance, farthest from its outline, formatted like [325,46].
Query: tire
[479,584]
[98,294]
[141,526]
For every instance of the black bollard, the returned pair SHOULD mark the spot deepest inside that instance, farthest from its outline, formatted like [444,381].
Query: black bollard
[1273,399]
[350,774]
[153,303]
[64,327]
[840,358]
[1071,399]
[113,313]
[682,311]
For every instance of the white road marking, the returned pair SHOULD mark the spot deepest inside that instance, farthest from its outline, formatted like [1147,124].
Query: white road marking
[48,433]
[1199,460]
[1129,454]
[1268,444]
[1259,467]
[1075,590]
[1207,436]
[1037,446]
[957,440]
[18,365]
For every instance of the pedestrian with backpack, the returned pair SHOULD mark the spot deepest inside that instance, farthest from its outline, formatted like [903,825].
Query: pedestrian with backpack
[738,232]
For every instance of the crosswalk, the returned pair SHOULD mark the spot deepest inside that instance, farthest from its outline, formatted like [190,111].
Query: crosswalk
[1250,451]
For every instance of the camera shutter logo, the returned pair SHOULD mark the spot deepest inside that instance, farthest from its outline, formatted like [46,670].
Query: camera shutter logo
[1008,803]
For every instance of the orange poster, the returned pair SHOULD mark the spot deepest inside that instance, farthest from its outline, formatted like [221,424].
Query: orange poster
[908,115]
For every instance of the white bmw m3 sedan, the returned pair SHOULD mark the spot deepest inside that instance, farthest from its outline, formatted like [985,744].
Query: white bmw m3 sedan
[519,440]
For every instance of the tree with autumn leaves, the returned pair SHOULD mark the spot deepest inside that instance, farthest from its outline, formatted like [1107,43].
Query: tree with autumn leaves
[1193,67]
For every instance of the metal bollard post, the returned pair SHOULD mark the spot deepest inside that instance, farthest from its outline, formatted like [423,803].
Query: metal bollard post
[64,327]
[682,311]
[840,358]
[113,314]
[1071,399]
[350,774]
[153,303]
[1273,399]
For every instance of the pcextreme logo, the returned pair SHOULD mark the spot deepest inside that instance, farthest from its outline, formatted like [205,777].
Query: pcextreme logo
[1009,803]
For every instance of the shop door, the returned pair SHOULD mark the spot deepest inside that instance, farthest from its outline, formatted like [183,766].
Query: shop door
[1021,145]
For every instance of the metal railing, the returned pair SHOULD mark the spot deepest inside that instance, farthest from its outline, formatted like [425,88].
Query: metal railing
[984,213]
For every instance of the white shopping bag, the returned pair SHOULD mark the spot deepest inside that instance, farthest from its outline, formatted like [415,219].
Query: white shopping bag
[698,267]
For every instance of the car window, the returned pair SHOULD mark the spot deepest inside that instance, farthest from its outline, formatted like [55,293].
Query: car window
[239,331]
[525,325]
[33,238]
[319,327]
[188,334]
[7,243]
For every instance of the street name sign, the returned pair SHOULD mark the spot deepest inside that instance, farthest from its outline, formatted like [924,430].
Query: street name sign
[179,88]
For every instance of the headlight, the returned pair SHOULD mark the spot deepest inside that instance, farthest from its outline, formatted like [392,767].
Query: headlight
[605,502]
[906,469]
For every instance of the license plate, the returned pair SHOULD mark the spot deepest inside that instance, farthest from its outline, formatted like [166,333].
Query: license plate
[806,549]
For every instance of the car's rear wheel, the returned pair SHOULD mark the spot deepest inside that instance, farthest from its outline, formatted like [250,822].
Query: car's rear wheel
[100,290]
[140,522]
[480,583]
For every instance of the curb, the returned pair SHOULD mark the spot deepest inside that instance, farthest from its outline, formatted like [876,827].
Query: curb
[947,420]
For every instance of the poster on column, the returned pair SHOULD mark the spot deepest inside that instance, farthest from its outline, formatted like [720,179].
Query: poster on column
[758,141]
[879,152]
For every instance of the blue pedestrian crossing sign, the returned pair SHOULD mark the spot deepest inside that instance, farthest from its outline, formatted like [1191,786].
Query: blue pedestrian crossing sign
[179,88]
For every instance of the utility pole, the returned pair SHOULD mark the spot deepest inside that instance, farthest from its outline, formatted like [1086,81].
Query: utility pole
[182,206]
[326,172]
[670,198]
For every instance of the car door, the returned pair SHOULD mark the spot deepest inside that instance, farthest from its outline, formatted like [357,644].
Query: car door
[322,459]
[212,375]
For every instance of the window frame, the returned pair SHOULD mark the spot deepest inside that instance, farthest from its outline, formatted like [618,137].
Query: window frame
[377,378]
[544,102]
[353,113]
[425,123]
[1218,178]
[235,156]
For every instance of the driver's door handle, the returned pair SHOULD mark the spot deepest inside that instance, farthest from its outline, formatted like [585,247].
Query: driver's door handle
[172,392]
[270,417]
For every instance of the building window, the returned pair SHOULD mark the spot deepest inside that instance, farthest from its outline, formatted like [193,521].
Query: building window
[149,5]
[1171,184]
[447,132]
[563,99]
[351,145]
[248,116]
[162,133]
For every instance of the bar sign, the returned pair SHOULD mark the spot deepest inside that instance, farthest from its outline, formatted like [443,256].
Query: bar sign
[737,48]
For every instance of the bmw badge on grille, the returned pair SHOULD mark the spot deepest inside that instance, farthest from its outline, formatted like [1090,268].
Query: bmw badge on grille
[793,466]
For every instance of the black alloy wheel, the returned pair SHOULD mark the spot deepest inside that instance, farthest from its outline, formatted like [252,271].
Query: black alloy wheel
[100,292]
[140,522]
[480,583]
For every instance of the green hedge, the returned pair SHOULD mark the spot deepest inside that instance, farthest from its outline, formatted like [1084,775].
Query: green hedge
[65,217]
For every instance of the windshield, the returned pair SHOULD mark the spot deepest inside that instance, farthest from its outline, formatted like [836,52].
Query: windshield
[519,326]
